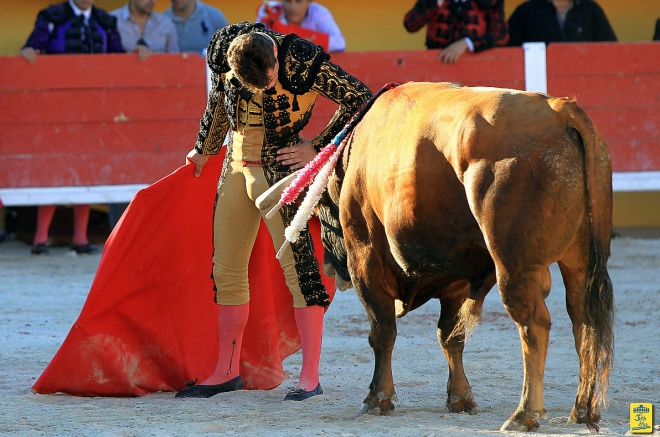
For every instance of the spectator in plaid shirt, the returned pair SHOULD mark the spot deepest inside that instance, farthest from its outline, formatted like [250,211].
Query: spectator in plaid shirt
[459,25]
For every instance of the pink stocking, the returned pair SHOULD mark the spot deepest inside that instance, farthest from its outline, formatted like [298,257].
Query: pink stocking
[44,217]
[80,220]
[309,321]
[231,323]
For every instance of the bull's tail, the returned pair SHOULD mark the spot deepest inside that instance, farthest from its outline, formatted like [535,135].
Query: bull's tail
[597,345]
[597,342]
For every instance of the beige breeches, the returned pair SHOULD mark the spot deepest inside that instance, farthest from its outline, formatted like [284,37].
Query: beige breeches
[236,223]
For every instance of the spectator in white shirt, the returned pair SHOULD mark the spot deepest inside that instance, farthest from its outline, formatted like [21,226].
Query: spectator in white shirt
[307,14]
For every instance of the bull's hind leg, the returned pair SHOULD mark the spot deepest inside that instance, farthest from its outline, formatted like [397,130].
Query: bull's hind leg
[574,280]
[523,294]
[459,312]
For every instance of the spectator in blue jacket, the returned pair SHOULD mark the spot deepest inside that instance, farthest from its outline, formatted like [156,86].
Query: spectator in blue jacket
[75,26]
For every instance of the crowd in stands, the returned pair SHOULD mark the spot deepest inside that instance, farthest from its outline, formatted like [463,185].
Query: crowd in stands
[455,26]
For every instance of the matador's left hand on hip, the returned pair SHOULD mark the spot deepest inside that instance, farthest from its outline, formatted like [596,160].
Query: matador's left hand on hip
[298,156]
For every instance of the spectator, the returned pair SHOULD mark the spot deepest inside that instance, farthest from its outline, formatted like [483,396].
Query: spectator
[75,26]
[195,23]
[144,31]
[306,14]
[264,88]
[459,25]
[559,21]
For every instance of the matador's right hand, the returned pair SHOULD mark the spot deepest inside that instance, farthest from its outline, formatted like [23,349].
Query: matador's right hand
[198,159]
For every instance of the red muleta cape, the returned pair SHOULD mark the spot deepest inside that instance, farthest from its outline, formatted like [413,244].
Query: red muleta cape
[149,322]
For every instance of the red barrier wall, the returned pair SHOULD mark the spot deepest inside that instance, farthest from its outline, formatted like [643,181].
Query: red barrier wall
[108,120]
[501,67]
[618,85]
[97,120]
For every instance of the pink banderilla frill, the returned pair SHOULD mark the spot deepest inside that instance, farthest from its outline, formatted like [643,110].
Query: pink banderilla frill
[321,178]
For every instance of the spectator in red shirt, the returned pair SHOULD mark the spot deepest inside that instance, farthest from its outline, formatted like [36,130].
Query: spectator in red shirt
[459,25]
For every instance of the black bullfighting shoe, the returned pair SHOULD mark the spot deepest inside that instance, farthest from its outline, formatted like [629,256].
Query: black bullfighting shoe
[40,249]
[206,391]
[83,249]
[300,394]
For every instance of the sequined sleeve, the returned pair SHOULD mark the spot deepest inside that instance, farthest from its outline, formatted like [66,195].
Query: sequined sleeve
[347,91]
[214,125]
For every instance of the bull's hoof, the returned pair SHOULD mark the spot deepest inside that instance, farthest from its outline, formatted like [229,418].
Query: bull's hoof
[462,406]
[579,415]
[383,408]
[376,411]
[524,421]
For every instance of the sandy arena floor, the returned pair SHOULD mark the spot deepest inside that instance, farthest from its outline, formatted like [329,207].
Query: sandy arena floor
[41,297]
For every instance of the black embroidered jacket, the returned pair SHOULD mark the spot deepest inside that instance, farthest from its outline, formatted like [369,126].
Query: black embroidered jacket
[305,72]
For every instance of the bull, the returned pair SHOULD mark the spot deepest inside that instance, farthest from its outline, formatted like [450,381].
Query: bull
[444,191]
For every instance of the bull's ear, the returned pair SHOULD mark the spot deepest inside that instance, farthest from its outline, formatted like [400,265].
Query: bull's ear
[271,196]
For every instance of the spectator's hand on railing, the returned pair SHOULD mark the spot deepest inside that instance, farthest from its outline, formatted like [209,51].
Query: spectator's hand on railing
[143,52]
[29,54]
[454,51]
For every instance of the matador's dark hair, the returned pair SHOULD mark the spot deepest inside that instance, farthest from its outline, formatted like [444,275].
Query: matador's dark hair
[251,56]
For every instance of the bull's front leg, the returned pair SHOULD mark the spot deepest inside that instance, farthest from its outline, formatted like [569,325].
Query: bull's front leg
[381,313]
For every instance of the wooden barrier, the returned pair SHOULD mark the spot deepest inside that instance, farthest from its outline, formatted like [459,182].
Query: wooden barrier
[94,129]
[501,67]
[97,127]
[618,85]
